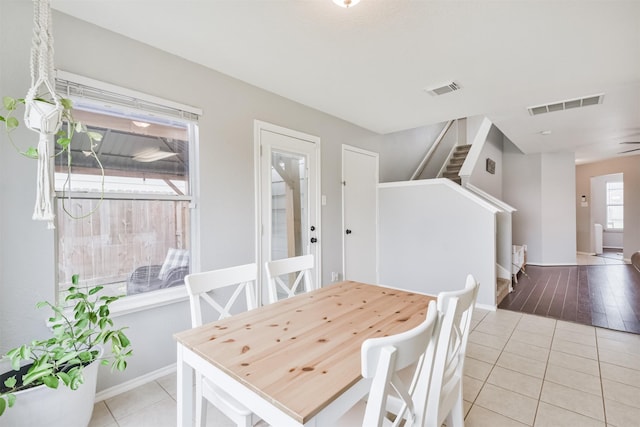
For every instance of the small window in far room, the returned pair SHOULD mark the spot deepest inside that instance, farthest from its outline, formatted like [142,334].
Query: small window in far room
[615,205]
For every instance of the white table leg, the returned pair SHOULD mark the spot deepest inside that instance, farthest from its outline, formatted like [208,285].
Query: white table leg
[185,391]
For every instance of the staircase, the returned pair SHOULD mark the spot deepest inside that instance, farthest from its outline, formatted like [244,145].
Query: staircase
[455,163]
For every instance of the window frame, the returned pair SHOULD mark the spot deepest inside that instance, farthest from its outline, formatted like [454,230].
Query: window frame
[159,108]
[608,190]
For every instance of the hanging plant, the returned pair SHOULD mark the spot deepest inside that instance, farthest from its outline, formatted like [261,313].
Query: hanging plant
[63,139]
[45,112]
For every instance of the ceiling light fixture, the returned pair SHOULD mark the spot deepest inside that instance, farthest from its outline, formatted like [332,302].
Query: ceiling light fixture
[141,124]
[346,3]
[151,155]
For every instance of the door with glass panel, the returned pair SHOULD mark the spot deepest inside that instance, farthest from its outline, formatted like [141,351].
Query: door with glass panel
[288,222]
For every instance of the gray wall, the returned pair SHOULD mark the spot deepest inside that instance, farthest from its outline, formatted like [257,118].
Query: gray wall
[630,167]
[492,149]
[226,172]
[542,188]
[402,152]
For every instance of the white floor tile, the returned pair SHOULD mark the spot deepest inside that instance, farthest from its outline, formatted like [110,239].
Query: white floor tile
[573,400]
[553,416]
[136,400]
[507,403]
[160,414]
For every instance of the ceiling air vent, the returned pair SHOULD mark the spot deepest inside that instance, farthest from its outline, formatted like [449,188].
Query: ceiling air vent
[446,88]
[566,105]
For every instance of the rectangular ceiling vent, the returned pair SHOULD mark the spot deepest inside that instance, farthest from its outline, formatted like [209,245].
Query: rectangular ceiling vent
[446,88]
[566,105]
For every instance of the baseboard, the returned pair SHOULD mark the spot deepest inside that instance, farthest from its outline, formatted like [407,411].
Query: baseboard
[135,382]
[486,307]
[559,264]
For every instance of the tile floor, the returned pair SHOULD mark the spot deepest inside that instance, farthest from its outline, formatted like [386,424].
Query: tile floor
[521,370]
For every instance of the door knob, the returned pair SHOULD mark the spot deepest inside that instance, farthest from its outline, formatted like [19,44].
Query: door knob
[313,228]
[348,231]
[313,240]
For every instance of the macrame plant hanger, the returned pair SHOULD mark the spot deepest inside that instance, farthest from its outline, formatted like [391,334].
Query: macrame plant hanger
[43,110]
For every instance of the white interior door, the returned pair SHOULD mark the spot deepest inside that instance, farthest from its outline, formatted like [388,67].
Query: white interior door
[360,214]
[288,193]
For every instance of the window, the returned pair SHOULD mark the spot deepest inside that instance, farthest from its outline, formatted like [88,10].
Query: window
[615,205]
[132,232]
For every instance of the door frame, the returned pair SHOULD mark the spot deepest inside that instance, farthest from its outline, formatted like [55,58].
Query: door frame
[258,127]
[346,147]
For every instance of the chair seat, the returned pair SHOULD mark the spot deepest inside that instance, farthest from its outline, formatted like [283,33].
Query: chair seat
[216,395]
[355,415]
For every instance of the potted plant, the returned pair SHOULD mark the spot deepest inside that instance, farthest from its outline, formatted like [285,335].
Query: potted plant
[64,366]
[64,136]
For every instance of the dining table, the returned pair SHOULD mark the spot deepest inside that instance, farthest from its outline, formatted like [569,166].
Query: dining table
[295,362]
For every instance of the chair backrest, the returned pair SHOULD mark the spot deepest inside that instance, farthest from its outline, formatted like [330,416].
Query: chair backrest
[384,357]
[456,309]
[199,285]
[300,265]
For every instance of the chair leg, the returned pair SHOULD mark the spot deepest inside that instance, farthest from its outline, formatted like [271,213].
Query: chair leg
[201,404]
[455,418]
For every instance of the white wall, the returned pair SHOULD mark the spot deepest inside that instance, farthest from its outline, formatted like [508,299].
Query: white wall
[226,173]
[558,209]
[542,188]
[432,234]
[492,149]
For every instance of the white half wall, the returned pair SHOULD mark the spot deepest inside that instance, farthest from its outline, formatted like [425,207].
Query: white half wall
[432,233]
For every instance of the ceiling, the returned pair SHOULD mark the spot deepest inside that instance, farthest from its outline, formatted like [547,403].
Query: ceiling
[370,64]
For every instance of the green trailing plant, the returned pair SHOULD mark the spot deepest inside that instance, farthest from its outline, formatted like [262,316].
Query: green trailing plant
[78,334]
[64,138]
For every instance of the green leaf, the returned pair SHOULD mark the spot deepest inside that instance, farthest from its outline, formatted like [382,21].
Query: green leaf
[3,405]
[9,103]
[11,382]
[12,399]
[31,152]
[104,311]
[75,279]
[66,379]
[37,374]
[66,103]
[95,290]
[2,119]
[12,123]
[25,352]
[64,142]
[51,381]
[95,136]
[123,339]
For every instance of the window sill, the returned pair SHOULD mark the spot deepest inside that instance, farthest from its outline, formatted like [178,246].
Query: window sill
[146,301]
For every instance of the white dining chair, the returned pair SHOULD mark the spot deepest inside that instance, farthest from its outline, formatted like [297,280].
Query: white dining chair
[381,360]
[299,266]
[444,400]
[233,281]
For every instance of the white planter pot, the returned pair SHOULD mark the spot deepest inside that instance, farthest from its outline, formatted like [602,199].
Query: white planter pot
[62,407]
[43,117]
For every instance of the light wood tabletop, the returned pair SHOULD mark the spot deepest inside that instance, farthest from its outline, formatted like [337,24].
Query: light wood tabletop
[301,353]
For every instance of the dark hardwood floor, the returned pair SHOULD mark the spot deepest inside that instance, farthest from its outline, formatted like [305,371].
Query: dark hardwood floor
[600,295]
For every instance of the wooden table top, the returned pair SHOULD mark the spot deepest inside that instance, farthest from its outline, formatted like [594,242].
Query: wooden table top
[303,352]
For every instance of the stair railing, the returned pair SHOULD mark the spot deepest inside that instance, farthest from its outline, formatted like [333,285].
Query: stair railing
[431,150]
